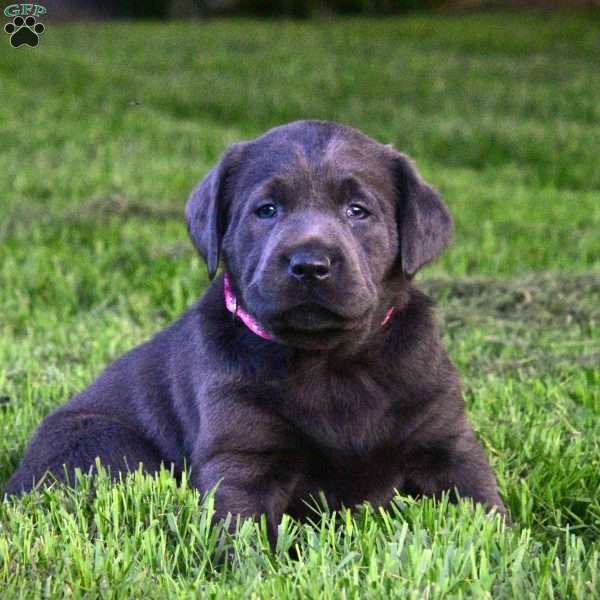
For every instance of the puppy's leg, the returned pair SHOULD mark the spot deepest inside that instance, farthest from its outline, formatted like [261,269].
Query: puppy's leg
[74,439]
[249,485]
[456,464]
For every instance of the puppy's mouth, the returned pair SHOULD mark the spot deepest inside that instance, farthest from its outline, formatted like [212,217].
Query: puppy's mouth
[312,327]
[310,318]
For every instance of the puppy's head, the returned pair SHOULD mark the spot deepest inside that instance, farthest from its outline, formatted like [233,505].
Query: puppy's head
[317,225]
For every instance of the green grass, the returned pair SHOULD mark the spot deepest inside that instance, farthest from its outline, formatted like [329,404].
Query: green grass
[103,132]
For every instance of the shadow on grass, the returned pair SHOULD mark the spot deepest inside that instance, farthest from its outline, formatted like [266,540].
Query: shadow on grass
[537,322]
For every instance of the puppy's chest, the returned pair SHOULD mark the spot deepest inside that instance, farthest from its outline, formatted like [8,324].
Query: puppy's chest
[351,413]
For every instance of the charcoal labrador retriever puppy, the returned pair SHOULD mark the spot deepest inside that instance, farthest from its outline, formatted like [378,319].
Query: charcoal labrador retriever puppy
[311,365]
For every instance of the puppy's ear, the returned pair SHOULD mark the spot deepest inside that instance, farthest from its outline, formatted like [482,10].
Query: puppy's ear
[425,225]
[206,208]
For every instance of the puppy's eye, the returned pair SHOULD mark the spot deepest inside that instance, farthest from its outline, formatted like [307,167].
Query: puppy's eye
[266,211]
[356,211]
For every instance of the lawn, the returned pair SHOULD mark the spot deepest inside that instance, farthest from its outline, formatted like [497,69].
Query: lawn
[104,129]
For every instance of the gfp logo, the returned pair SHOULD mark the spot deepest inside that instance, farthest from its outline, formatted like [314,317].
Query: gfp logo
[25,27]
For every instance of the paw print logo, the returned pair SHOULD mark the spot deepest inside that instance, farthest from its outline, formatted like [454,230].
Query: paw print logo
[24,31]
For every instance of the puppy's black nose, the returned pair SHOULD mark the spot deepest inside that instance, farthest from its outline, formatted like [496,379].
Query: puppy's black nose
[310,266]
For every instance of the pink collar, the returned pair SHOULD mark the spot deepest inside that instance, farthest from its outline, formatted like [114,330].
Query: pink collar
[251,323]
